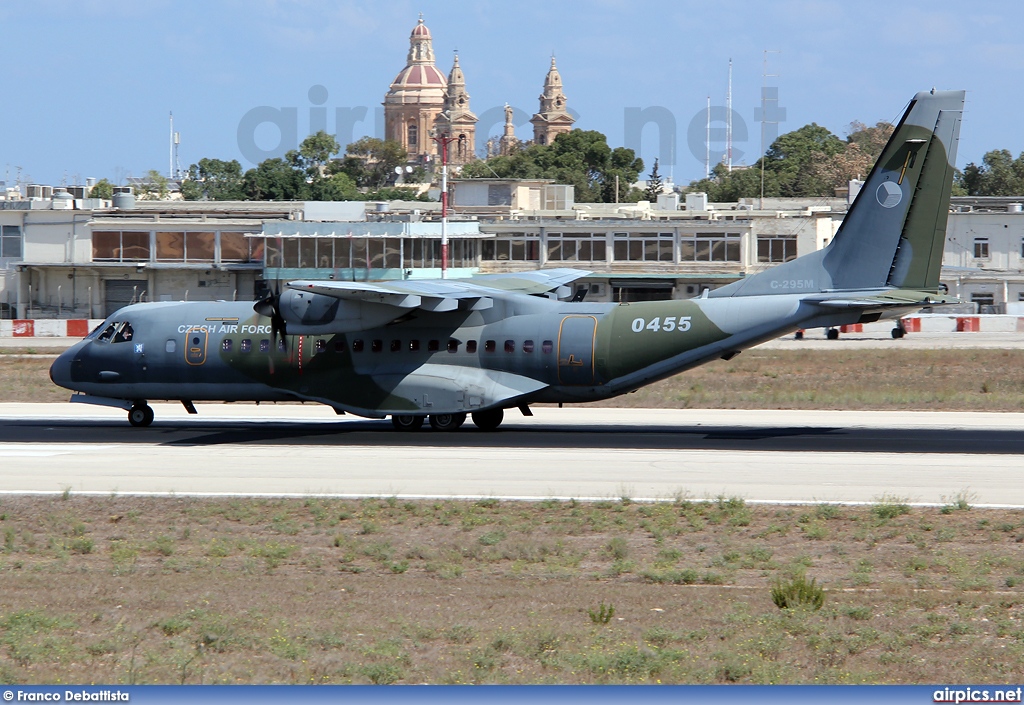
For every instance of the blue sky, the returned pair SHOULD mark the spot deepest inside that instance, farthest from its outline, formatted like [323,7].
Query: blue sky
[88,85]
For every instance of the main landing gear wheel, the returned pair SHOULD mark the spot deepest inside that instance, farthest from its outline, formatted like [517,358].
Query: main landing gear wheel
[898,332]
[140,415]
[832,334]
[447,422]
[407,422]
[488,420]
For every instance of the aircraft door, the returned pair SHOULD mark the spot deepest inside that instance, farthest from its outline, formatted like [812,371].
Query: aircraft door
[576,336]
[195,346]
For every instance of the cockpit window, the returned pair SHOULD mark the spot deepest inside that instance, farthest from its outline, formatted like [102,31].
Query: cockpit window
[109,331]
[125,333]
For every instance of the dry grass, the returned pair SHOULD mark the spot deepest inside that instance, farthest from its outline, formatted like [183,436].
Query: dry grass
[981,380]
[131,590]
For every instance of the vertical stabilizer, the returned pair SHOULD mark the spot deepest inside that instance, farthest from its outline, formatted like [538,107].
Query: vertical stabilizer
[894,232]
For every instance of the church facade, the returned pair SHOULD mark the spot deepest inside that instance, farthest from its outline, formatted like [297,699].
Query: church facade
[422,103]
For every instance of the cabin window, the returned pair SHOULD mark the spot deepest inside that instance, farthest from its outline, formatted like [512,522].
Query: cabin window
[225,344]
[264,346]
[547,346]
[414,345]
[357,346]
[170,346]
[510,346]
[527,346]
[396,346]
[339,345]
[471,346]
[246,345]
[282,345]
[320,345]
[376,345]
[489,346]
[453,345]
[433,346]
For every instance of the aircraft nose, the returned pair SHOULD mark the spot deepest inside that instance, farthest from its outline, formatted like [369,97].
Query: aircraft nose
[60,370]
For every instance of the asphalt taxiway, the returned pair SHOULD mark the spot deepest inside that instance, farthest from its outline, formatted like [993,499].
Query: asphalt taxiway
[586,453]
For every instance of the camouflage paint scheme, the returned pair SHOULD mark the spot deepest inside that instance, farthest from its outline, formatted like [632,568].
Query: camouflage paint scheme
[884,261]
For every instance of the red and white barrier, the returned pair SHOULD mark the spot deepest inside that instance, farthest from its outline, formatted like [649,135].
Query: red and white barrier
[47,327]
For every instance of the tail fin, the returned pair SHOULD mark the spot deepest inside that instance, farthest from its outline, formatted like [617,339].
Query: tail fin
[894,233]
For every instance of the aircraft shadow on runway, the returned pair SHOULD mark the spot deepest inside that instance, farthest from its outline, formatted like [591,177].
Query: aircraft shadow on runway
[622,437]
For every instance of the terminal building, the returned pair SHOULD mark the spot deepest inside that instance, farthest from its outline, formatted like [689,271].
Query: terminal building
[73,258]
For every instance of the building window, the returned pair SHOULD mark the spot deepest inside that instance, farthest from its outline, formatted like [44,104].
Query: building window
[117,246]
[580,248]
[981,248]
[776,248]
[709,247]
[515,247]
[183,247]
[413,134]
[10,241]
[642,247]
[236,247]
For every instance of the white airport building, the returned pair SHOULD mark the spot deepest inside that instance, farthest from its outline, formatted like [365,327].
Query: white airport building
[67,257]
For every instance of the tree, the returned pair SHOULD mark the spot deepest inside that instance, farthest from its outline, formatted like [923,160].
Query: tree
[315,151]
[102,189]
[998,175]
[870,140]
[153,185]
[275,180]
[581,158]
[654,185]
[214,180]
[810,161]
[371,162]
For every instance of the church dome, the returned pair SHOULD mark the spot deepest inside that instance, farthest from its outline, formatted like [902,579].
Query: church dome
[419,76]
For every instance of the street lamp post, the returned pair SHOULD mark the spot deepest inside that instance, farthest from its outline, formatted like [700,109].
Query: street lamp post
[443,140]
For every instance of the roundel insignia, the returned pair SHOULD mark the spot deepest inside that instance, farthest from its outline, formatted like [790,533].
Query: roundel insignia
[889,194]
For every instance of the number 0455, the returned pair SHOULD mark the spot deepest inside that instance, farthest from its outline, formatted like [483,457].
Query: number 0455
[668,324]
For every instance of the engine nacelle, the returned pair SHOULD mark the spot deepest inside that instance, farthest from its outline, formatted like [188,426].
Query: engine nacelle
[306,313]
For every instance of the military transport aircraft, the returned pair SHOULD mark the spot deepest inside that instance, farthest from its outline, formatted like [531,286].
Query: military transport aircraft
[441,349]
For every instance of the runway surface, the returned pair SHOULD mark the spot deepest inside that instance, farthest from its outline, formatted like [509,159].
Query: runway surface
[780,456]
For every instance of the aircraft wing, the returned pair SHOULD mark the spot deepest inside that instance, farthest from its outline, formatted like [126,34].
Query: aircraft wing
[474,293]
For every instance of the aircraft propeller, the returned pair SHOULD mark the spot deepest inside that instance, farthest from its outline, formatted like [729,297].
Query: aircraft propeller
[270,306]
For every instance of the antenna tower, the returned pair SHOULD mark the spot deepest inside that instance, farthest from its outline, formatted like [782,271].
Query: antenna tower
[728,122]
[765,114]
